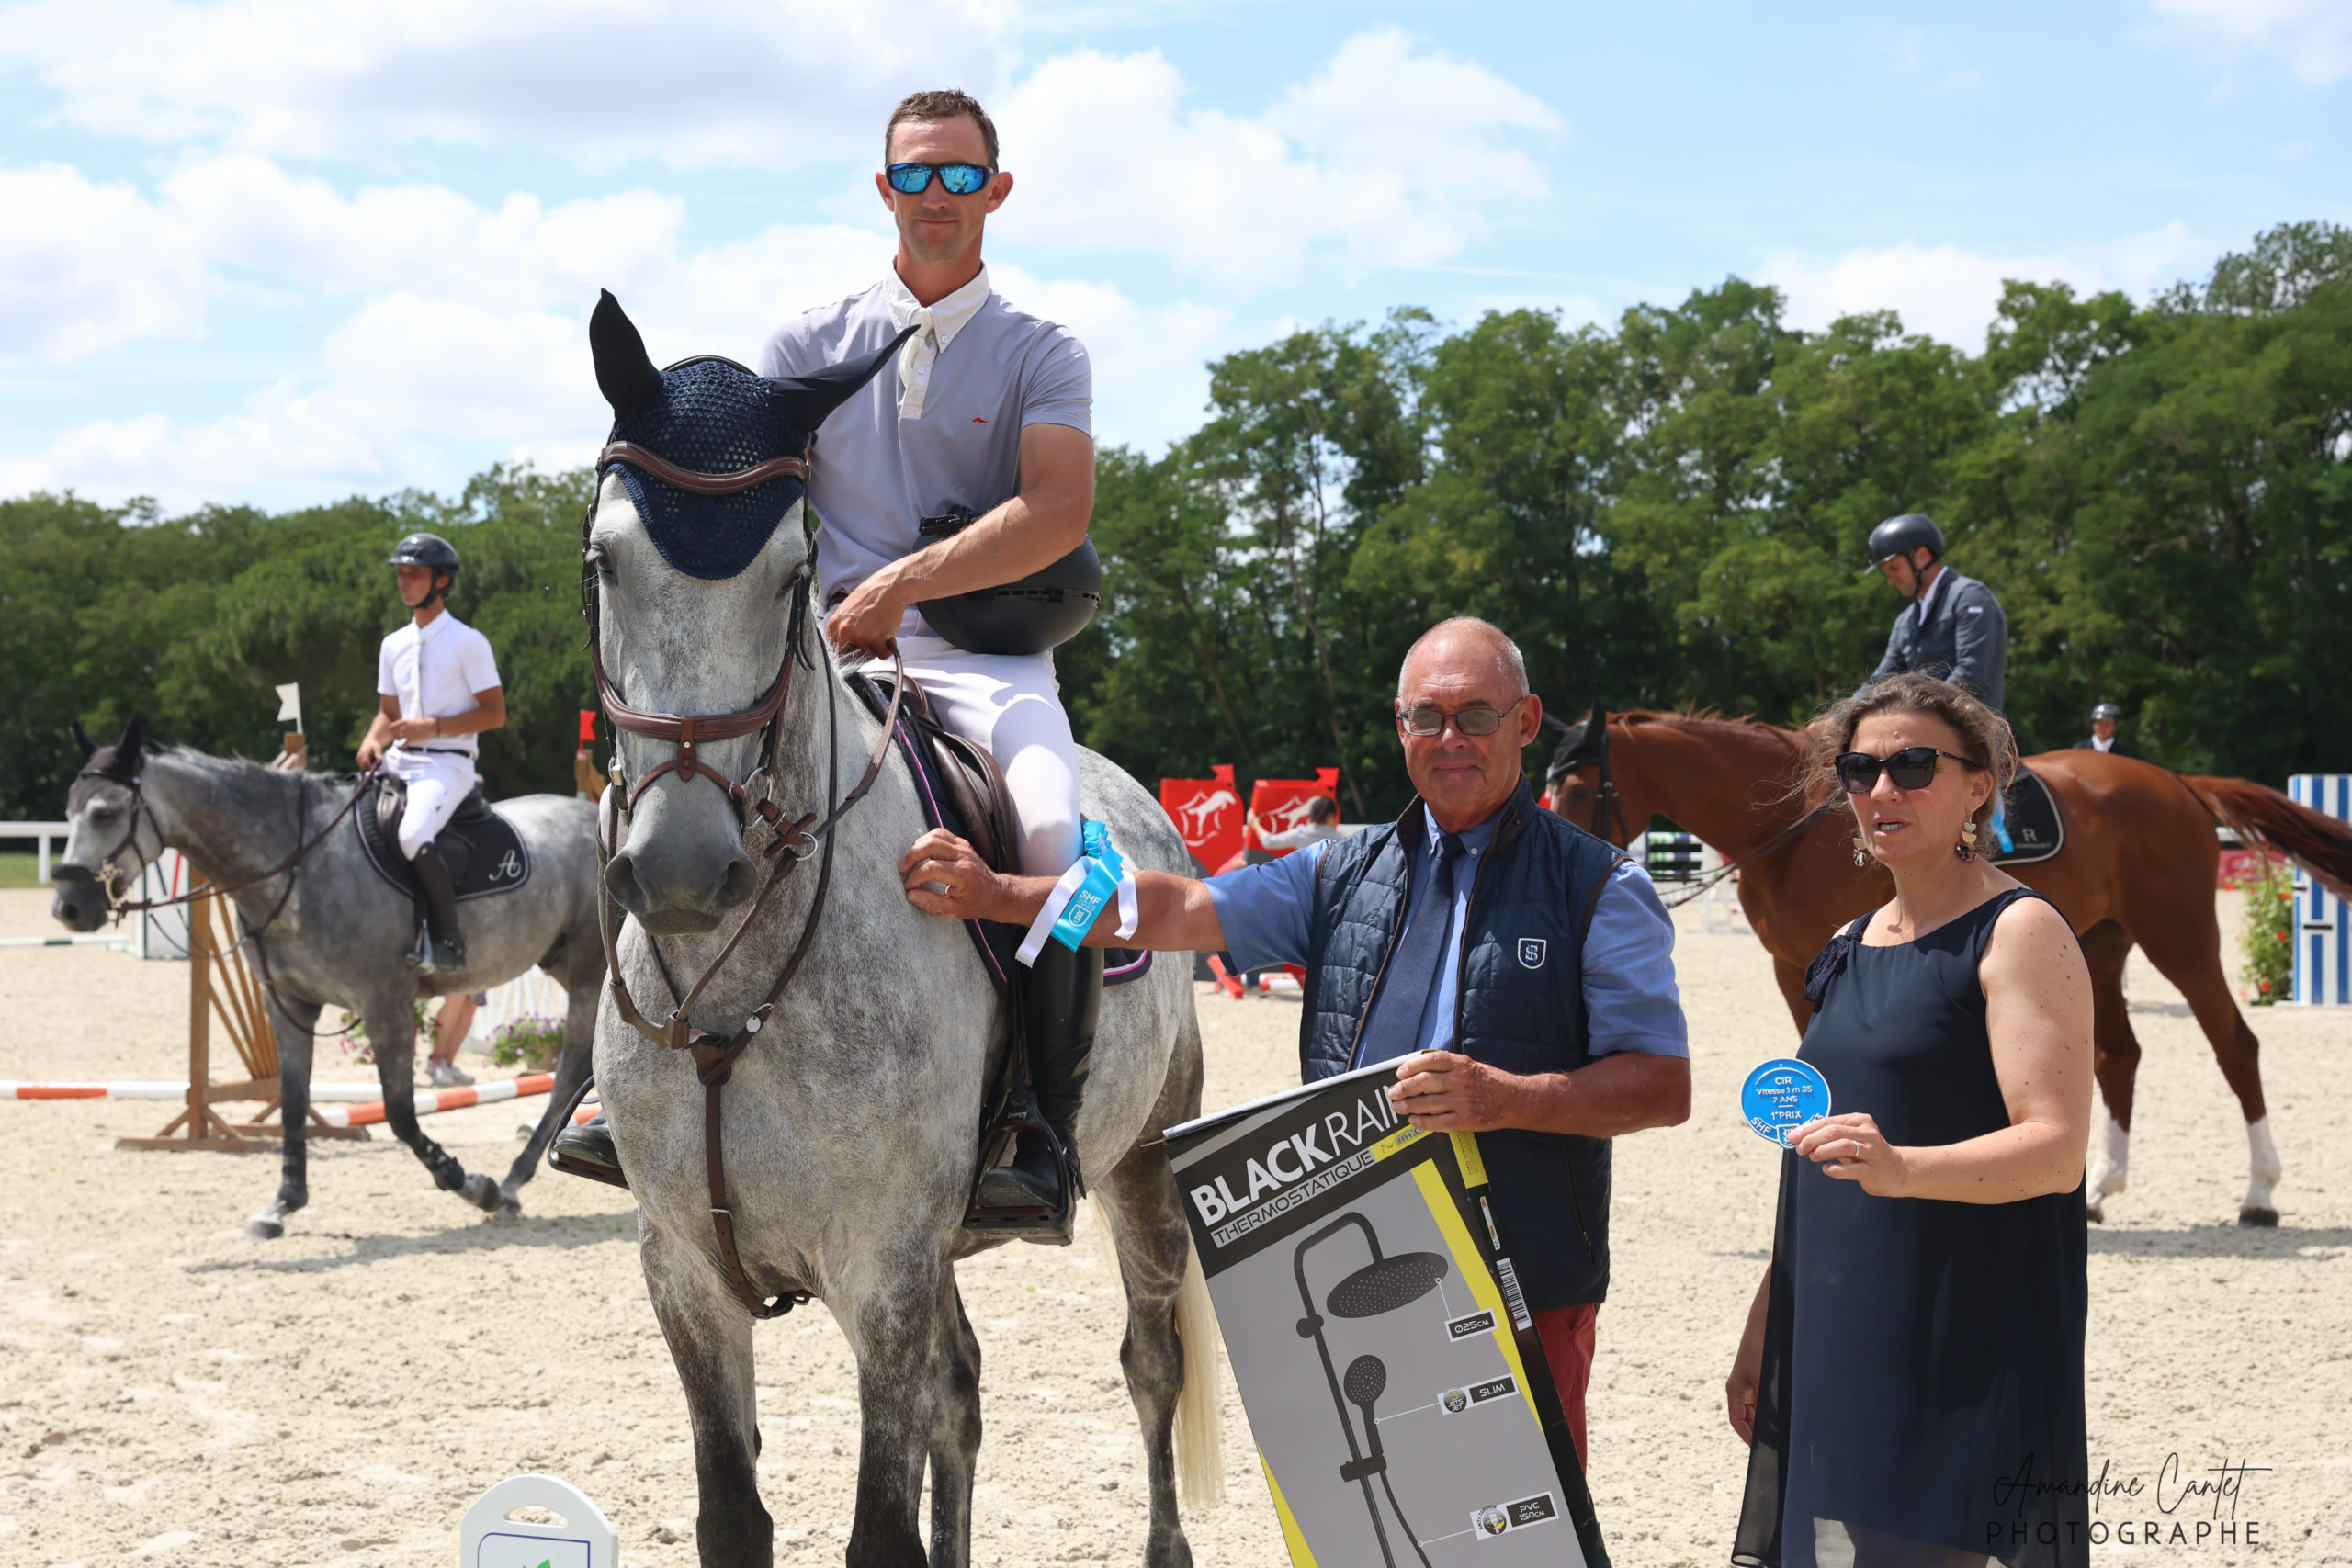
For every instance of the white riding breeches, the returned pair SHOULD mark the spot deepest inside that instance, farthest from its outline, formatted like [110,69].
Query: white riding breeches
[438,782]
[1011,705]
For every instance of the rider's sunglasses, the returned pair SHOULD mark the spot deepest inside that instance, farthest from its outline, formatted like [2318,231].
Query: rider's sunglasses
[1914,767]
[913,179]
[1425,719]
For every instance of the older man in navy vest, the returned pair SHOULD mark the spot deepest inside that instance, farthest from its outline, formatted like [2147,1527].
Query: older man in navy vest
[1518,970]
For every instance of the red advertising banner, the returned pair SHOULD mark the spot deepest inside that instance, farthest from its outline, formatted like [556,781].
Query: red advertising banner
[1207,813]
[1280,804]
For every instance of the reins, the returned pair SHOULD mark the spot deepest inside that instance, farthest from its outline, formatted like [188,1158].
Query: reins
[715,1055]
[117,907]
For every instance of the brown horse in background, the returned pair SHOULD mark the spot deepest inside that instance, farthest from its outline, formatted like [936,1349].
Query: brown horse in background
[2137,870]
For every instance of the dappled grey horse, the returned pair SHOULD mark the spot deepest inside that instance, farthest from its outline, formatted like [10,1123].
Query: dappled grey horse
[329,930]
[849,1122]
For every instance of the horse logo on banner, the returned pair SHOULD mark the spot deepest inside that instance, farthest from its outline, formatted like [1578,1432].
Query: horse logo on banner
[1207,814]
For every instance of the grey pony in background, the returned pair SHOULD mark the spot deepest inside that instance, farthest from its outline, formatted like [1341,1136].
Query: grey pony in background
[339,935]
[851,1123]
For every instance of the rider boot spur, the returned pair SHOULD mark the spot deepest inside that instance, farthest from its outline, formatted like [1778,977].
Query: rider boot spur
[441,947]
[1037,1193]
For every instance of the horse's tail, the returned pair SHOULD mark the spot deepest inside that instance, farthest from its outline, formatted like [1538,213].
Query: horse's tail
[1199,1409]
[2261,816]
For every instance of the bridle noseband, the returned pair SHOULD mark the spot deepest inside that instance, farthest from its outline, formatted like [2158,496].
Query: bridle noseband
[713,1054]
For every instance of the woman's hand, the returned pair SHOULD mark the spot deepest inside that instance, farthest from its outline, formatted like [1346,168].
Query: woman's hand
[1747,1366]
[1850,1147]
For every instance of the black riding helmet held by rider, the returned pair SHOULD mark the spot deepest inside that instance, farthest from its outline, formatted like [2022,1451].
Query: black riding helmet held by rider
[1900,536]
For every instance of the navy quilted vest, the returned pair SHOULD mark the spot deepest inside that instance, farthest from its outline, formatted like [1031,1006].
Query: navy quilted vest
[1518,1007]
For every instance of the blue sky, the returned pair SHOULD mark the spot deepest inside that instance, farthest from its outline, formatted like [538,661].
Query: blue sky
[281,251]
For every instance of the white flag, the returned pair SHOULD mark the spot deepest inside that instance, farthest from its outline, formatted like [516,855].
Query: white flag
[289,704]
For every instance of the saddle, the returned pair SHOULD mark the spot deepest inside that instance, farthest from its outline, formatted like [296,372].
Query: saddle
[962,791]
[485,852]
[2030,815]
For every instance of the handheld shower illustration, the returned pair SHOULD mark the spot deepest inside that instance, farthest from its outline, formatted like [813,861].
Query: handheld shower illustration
[1381,1286]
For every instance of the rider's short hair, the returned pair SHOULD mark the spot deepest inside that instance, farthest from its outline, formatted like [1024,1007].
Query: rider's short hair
[940,103]
[1983,734]
[1510,663]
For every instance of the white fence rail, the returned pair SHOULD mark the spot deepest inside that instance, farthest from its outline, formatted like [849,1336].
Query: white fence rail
[40,833]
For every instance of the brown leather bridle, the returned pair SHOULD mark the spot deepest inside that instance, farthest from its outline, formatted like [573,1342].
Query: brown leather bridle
[715,1055]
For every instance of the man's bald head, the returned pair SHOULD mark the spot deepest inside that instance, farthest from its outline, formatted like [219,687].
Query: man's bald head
[1467,637]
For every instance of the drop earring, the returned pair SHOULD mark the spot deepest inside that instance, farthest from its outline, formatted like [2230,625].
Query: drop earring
[1861,856]
[1966,848]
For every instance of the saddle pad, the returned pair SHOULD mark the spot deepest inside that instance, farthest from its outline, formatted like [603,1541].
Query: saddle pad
[2032,817]
[996,942]
[492,857]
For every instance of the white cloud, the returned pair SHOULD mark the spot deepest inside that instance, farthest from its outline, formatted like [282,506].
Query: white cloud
[1927,62]
[691,81]
[2316,36]
[1950,293]
[1390,156]
[465,336]
[85,267]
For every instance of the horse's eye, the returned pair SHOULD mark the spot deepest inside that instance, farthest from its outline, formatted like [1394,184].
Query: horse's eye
[103,808]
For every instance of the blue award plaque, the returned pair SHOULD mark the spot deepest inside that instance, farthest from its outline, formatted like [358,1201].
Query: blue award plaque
[1781,1097]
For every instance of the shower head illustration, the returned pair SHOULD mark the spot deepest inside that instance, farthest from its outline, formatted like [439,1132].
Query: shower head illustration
[1384,1285]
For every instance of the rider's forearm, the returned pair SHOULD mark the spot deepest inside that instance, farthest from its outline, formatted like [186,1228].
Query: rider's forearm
[1026,534]
[1175,914]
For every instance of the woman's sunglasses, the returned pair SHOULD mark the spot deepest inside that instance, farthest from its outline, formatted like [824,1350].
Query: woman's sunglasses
[1914,767]
[913,179]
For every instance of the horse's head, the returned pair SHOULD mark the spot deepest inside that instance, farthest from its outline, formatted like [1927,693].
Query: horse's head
[1589,784]
[695,589]
[113,835]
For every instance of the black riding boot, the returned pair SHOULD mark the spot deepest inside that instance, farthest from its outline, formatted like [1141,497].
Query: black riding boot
[587,1150]
[1039,1192]
[440,946]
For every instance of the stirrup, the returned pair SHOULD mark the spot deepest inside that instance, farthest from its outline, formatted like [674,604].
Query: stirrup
[599,1139]
[1029,1220]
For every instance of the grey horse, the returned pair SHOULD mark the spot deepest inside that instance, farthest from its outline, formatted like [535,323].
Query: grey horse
[850,1123]
[332,930]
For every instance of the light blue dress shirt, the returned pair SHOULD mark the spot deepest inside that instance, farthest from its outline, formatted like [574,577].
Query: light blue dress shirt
[1632,1002]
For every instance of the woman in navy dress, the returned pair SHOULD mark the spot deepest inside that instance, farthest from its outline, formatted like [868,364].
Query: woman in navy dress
[1910,1380]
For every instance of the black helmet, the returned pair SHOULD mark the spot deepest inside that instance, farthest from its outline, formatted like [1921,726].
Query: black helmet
[426,550]
[1043,610]
[1900,536]
[2107,710]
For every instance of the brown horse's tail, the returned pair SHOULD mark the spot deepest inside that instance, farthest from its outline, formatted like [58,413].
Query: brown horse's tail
[2260,815]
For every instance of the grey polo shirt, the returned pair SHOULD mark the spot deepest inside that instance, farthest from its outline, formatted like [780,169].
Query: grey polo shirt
[874,474]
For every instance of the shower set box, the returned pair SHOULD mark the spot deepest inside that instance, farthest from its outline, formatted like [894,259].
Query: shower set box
[1404,1411]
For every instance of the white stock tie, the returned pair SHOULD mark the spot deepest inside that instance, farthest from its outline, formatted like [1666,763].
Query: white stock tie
[915,361]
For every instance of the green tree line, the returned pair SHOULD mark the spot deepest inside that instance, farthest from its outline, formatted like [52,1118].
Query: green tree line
[1668,510]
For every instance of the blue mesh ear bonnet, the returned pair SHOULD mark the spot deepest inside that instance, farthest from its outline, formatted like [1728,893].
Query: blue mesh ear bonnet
[714,417]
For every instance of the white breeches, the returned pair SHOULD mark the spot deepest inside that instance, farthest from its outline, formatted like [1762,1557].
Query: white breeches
[438,782]
[1011,705]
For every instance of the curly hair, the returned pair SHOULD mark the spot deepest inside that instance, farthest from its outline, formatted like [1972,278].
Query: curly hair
[1984,733]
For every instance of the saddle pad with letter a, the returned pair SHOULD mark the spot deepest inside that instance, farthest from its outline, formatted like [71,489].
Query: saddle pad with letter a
[486,855]
[2032,817]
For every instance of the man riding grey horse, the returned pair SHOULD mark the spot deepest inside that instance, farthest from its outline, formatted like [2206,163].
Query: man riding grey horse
[969,470]
[437,683]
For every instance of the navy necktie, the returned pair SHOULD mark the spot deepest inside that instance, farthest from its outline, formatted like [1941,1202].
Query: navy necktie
[1395,1027]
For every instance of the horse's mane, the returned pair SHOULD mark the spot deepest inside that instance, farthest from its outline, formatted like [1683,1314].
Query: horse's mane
[1710,720]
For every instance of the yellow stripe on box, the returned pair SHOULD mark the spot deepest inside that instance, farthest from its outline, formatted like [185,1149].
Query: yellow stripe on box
[1472,1266]
[1301,1554]
[1465,1155]
[1402,1138]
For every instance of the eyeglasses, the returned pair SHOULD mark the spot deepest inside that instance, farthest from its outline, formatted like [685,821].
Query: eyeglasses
[1425,719]
[961,179]
[1914,767]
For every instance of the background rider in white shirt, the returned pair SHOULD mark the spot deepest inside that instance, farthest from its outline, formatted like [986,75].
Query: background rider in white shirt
[438,688]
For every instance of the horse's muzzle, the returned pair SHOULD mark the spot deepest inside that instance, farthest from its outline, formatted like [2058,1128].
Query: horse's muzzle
[80,904]
[678,892]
